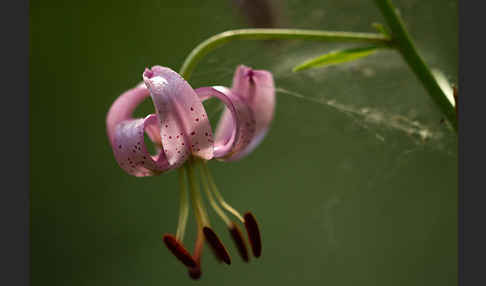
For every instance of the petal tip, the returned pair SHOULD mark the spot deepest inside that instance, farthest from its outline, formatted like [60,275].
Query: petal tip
[148,73]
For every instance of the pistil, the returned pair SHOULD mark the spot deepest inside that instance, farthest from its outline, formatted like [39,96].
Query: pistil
[201,217]
[195,272]
[174,243]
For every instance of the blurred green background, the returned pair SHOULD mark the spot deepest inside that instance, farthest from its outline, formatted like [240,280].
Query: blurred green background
[355,184]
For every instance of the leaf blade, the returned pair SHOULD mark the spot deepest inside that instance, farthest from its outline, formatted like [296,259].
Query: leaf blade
[336,57]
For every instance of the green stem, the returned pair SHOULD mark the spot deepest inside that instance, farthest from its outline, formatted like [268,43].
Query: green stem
[267,34]
[400,40]
[405,46]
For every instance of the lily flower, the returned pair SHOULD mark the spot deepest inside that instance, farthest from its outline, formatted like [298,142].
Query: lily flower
[183,139]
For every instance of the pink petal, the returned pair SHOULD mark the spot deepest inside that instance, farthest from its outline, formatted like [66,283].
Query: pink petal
[184,122]
[126,135]
[257,89]
[124,106]
[237,132]
[130,150]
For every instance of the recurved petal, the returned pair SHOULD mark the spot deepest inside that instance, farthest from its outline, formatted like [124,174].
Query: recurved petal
[130,150]
[184,123]
[236,128]
[257,89]
[123,108]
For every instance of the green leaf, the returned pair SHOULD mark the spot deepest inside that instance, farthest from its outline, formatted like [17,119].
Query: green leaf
[336,57]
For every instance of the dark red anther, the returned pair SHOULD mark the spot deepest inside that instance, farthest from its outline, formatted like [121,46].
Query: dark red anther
[178,250]
[253,234]
[216,245]
[216,254]
[239,241]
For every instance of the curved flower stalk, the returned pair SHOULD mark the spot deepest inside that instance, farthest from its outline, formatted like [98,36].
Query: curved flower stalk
[183,137]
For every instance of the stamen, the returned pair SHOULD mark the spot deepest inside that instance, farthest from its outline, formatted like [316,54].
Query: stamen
[200,213]
[195,272]
[179,250]
[240,243]
[216,245]
[253,234]
[212,202]
[218,195]
[201,217]
[216,255]
[183,207]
